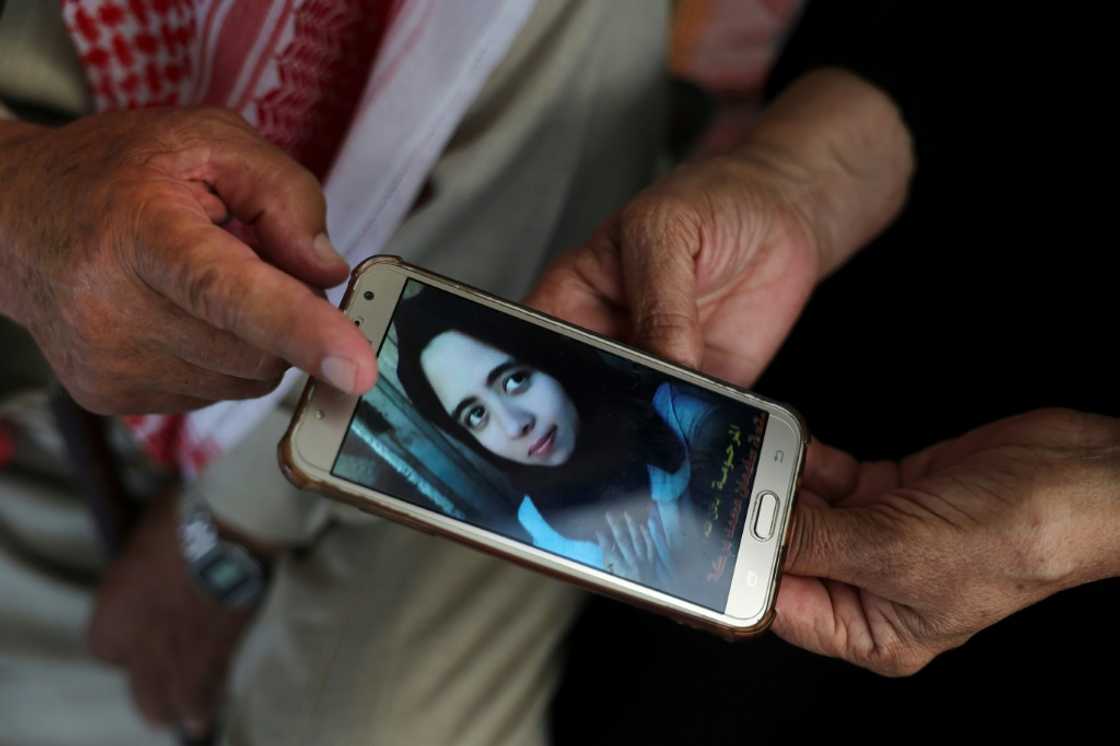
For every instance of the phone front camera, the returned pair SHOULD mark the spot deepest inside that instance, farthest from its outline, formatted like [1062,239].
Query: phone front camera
[368,295]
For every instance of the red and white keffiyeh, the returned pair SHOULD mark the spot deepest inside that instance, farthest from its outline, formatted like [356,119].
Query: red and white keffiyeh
[365,93]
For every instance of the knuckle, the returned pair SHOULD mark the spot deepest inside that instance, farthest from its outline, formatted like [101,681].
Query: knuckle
[661,220]
[293,186]
[219,116]
[309,186]
[887,653]
[658,323]
[184,140]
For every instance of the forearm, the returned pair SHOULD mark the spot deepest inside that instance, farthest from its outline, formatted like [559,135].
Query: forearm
[844,148]
[1071,530]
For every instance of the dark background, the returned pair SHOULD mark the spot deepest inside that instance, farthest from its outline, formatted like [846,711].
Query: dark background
[993,294]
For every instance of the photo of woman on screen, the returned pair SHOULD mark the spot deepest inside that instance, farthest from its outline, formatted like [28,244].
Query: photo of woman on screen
[602,451]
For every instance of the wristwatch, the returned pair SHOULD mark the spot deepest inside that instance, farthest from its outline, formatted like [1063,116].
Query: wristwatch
[223,569]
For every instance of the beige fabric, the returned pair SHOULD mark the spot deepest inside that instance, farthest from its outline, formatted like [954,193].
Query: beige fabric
[266,506]
[373,633]
[38,63]
[384,635]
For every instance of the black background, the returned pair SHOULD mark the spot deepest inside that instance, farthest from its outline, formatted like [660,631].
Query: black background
[993,294]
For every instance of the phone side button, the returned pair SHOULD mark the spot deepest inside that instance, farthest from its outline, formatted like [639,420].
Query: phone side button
[764,517]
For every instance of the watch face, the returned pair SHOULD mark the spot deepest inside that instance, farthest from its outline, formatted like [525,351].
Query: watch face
[223,574]
[199,537]
[224,570]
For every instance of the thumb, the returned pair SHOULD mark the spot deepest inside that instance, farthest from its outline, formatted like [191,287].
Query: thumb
[214,277]
[659,274]
[845,544]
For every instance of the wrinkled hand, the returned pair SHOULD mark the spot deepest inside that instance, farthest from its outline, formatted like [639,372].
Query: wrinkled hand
[709,267]
[891,564]
[150,618]
[115,261]
[712,265]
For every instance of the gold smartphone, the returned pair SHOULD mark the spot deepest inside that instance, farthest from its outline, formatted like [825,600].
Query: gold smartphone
[569,453]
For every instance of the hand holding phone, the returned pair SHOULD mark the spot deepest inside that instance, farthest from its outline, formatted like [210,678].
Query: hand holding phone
[572,454]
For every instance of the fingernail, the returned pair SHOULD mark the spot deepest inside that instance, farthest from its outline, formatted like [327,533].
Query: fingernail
[340,373]
[326,251]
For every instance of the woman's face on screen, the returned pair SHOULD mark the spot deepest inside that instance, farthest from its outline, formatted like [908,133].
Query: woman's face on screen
[513,410]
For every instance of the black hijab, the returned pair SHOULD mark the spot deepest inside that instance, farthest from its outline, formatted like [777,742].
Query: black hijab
[620,431]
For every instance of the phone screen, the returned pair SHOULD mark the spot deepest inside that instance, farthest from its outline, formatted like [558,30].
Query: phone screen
[522,431]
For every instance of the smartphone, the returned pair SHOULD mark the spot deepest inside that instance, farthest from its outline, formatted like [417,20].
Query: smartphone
[556,448]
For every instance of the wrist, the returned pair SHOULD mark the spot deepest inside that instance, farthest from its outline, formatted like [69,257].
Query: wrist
[1079,512]
[1101,485]
[224,566]
[841,148]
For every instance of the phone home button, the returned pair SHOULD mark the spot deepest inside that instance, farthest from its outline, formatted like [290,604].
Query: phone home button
[765,516]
